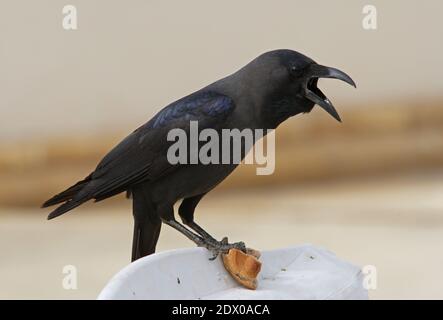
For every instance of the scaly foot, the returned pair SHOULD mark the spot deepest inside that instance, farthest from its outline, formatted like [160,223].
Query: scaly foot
[223,246]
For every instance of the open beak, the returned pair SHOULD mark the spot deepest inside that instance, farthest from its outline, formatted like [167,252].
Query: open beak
[314,94]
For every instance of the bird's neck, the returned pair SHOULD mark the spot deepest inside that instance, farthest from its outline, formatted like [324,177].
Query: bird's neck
[264,106]
[277,110]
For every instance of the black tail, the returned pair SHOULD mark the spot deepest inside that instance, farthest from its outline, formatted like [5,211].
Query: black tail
[72,197]
[147,225]
[68,194]
[145,238]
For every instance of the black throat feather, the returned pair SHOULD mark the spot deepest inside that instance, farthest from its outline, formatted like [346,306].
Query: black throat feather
[279,108]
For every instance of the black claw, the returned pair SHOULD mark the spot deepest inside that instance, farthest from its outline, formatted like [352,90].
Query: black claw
[213,257]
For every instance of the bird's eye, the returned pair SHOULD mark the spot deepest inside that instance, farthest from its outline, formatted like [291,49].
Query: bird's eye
[295,72]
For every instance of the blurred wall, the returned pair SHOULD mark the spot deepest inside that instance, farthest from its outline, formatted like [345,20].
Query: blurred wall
[69,96]
[129,58]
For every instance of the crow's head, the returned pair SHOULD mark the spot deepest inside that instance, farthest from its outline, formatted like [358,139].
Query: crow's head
[288,81]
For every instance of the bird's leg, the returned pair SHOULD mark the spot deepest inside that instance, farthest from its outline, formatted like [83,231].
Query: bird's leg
[216,247]
[185,231]
[186,212]
[205,235]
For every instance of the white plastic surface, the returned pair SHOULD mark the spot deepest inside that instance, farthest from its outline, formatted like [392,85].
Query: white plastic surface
[302,272]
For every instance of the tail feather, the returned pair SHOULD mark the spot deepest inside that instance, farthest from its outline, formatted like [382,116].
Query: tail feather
[147,224]
[145,237]
[72,197]
[71,204]
[68,194]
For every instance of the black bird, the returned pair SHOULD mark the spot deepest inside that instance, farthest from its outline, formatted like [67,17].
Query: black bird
[273,87]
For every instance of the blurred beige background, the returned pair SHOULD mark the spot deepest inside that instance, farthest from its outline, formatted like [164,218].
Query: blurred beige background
[368,189]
